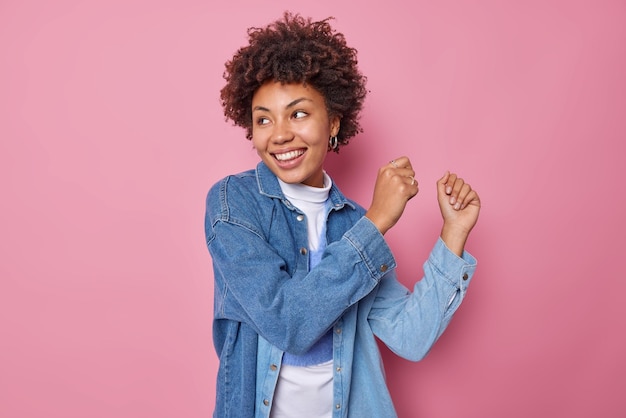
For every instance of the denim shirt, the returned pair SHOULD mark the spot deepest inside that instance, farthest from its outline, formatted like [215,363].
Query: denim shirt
[268,301]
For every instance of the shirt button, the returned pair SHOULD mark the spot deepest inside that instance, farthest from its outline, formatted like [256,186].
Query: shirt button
[303,251]
[300,218]
[383,268]
[338,330]
[338,369]
[338,406]
[465,276]
[266,402]
[273,367]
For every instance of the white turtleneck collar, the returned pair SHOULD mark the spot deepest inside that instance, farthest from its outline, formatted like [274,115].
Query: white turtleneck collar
[312,202]
[299,191]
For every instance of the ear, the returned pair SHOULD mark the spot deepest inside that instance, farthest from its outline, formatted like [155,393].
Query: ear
[335,124]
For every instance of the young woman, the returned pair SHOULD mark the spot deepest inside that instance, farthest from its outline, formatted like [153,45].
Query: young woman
[304,280]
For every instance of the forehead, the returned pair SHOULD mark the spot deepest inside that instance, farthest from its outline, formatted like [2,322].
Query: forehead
[279,94]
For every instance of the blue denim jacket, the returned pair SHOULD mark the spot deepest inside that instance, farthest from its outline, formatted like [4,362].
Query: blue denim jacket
[268,301]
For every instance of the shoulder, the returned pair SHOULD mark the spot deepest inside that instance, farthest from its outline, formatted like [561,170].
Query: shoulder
[245,179]
[239,198]
[232,191]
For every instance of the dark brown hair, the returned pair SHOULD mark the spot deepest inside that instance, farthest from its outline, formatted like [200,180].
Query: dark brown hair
[296,50]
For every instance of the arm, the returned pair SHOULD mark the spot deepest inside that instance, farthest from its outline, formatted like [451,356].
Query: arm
[410,323]
[252,284]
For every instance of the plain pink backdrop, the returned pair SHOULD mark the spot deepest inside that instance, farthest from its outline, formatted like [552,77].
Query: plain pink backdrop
[111,134]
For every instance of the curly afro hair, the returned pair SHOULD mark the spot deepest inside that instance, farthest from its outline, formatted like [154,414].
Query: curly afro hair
[296,50]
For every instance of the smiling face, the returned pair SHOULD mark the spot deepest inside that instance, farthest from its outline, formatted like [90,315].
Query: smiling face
[290,131]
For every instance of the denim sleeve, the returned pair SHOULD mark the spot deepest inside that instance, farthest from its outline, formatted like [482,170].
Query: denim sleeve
[409,323]
[292,313]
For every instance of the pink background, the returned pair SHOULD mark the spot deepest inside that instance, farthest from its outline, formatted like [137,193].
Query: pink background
[111,134]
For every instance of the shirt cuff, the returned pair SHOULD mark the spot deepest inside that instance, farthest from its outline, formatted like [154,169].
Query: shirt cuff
[372,247]
[457,270]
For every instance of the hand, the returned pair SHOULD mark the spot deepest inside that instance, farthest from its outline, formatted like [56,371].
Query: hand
[395,186]
[460,206]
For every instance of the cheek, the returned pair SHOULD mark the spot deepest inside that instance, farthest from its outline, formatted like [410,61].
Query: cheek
[316,135]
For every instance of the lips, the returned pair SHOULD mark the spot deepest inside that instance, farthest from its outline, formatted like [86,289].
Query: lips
[289,155]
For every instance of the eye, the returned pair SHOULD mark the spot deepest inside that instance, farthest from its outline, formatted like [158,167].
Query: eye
[262,120]
[299,114]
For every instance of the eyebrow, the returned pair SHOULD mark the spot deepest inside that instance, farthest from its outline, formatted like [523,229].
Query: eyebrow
[290,105]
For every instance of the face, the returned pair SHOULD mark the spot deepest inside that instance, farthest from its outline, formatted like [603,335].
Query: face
[290,131]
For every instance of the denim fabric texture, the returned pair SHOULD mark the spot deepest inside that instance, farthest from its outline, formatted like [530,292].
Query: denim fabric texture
[267,301]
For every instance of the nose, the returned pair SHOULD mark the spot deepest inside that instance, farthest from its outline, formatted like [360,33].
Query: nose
[282,132]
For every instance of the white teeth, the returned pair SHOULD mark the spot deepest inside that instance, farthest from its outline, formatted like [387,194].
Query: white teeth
[288,155]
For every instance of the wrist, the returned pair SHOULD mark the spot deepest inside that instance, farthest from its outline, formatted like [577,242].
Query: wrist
[382,226]
[455,237]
